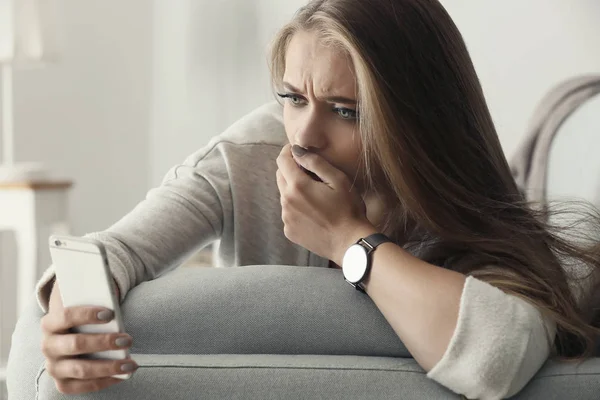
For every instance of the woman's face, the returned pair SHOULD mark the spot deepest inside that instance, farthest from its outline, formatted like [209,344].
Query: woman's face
[320,110]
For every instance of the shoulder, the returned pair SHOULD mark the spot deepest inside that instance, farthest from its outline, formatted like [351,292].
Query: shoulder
[255,138]
[263,126]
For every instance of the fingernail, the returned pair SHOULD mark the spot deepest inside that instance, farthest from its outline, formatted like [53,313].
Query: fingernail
[123,342]
[105,315]
[129,367]
[299,151]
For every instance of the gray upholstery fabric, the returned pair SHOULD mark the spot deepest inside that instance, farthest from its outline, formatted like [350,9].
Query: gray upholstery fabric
[258,310]
[311,377]
[271,377]
[267,332]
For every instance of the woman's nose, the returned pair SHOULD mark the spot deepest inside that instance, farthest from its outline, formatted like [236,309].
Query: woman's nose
[310,135]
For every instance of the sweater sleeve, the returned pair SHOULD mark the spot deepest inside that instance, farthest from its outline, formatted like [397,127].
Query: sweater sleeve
[181,215]
[499,343]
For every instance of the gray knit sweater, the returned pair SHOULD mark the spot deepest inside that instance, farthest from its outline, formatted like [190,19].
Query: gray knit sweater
[228,191]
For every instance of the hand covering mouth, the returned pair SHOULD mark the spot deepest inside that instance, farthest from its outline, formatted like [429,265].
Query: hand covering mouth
[314,176]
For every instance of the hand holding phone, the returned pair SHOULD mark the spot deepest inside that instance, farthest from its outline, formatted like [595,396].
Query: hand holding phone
[84,336]
[62,348]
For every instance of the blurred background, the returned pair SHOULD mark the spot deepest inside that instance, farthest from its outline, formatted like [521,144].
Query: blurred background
[141,84]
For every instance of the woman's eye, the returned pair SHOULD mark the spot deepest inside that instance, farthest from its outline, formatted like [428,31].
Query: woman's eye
[346,113]
[295,99]
[292,98]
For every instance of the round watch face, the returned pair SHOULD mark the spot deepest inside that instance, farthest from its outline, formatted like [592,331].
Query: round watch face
[354,264]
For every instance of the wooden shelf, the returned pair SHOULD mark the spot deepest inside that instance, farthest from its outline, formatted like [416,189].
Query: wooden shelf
[36,185]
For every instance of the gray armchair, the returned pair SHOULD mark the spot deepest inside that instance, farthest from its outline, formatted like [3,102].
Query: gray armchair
[264,332]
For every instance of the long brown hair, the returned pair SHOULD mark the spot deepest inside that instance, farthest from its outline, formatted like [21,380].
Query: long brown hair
[430,149]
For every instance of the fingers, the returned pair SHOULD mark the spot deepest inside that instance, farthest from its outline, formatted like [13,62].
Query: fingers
[320,167]
[61,320]
[294,175]
[281,183]
[76,386]
[287,165]
[68,345]
[73,375]
[316,167]
[77,368]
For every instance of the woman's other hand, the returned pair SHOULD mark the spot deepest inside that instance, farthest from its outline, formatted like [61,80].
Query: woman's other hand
[322,215]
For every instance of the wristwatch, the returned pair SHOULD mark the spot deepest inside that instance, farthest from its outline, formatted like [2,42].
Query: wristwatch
[356,264]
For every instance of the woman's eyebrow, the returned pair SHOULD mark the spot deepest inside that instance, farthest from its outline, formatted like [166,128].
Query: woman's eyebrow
[331,99]
[340,99]
[291,87]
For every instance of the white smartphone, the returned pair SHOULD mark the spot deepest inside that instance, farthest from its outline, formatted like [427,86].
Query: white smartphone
[84,279]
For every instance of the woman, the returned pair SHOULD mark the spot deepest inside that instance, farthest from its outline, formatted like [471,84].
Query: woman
[386,131]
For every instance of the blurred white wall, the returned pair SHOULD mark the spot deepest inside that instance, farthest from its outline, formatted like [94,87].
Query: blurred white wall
[210,63]
[522,48]
[88,116]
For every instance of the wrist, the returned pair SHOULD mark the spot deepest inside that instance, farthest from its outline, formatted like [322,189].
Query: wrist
[351,235]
